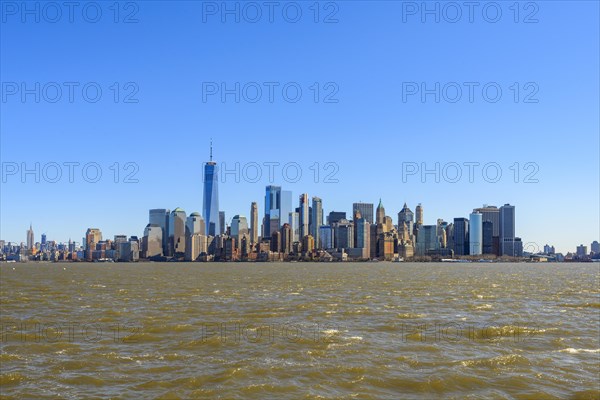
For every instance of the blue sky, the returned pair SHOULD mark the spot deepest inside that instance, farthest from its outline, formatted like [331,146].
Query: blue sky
[373,51]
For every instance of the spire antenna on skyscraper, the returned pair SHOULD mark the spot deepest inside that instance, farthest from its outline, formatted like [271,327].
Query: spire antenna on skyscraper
[211,149]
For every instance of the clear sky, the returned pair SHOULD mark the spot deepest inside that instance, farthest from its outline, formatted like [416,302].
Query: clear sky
[367,60]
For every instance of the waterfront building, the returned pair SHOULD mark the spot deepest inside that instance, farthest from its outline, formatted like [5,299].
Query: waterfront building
[177,223]
[488,237]
[304,215]
[254,223]
[507,231]
[461,236]
[344,235]
[92,237]
[294,221]
[210,207]
[151,242]
[272,216]
[582,251]
[325,237]
[475,234]
[316,219]
[160,218]
[286,239]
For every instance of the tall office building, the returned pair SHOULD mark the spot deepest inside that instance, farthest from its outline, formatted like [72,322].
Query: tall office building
[286,239]
[210,208]
[177,223]
[272,209]
[92,237]
[304,215]
[595,247]
[488,237]
[380,213]
[362,229]
[475,234]
[30,238]
[316,219]
[492,214]
[44,244]
[427,240]
[405,223]
[239,226]
[151,242]
[419,214]
[195,224]
[160,218]
[344,235]
[507,231]
[254,223]
[582,251]
[222,223]
[366,210]
[326,237]
[294,221]
[461,236]
[286,207]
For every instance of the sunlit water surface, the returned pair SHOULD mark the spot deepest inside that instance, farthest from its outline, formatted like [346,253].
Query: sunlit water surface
[295,330]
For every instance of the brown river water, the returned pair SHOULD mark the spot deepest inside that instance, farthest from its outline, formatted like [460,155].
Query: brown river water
[296,330]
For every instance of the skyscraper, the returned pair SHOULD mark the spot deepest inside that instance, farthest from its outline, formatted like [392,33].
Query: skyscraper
[92,237]
[151,242]
[419,214]
[317,218]
[254,223]
[380,219]
[507,231]
[294,221]
[461,236]
[160,218]
[272,209]
[427,240]
[344,235]
[326,237]
[30,238]
[177,223]
[195,224]
[210,208]
[475,234]
[304,215]
[363,236]
[488,237]
[405,223]
[239,226]
[222,224]
[492,214]
[286,207]
[366,210]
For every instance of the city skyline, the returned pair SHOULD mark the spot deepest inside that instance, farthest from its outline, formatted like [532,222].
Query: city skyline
[278,203]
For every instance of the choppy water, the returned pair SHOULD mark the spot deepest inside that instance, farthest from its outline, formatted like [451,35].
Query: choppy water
[230,331]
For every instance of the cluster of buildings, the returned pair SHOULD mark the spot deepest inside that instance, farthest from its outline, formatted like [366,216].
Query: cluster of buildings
[284,232]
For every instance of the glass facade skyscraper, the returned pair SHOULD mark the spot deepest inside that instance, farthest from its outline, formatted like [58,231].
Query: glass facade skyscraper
[210,208]
[507,230]
[475,234]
